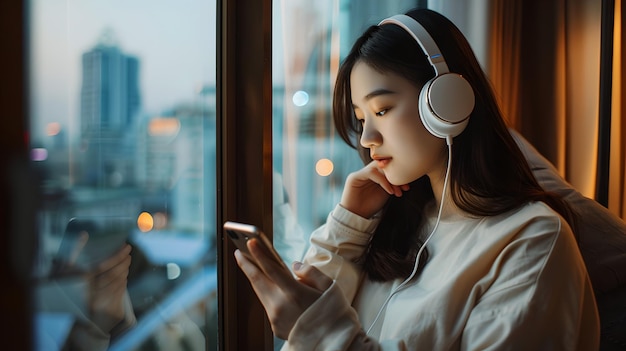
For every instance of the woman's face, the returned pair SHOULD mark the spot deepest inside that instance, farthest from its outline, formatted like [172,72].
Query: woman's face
[386,105]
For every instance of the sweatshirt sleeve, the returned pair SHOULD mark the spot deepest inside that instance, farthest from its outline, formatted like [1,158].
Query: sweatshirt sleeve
[337,245]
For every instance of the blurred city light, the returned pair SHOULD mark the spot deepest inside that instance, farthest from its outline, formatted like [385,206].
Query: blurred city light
[324,167]
[53,128]
[173,271]
[300,98]
[164,126]
[145,222]
[160,220]
[38,154]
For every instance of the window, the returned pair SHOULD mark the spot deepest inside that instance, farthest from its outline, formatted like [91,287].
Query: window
[310,160]
[122,124]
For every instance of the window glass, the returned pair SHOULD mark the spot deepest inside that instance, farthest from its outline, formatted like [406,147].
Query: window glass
[122,135]
[311,161]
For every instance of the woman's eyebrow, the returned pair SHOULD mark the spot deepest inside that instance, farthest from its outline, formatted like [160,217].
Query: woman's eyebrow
[379,92]
[375,93]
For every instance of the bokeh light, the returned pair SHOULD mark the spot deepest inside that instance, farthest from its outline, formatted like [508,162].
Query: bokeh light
[38,154]
[53,128]
[300,98]
[160,220]
[145,222]
[324,167]
[164,126]
[173,271]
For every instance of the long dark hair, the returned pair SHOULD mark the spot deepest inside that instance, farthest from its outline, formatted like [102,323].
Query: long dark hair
[489,174]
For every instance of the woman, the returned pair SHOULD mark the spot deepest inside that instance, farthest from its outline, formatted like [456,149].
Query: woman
[443,240]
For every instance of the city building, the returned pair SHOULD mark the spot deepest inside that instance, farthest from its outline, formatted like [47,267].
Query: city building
[109,103]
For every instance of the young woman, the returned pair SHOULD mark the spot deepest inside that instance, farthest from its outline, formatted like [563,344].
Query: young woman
[444,239]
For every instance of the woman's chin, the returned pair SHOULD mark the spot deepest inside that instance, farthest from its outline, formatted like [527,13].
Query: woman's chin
[399,181]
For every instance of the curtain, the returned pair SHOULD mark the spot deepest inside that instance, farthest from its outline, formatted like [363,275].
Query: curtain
[617,171]
[544,64]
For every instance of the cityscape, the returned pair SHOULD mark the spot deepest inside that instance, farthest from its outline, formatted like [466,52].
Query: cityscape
[123,164]
[127,162]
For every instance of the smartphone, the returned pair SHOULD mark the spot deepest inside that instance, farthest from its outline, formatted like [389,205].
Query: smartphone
[88,241]
[240,233]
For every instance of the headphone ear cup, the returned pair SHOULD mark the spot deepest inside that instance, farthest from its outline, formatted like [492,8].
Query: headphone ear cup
[445,104]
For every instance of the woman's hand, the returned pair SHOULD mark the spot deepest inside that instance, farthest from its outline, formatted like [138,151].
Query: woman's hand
[367,190]
[284,297]
[107,289]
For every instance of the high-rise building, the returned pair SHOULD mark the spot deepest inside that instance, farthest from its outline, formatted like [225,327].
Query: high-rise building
[110,101]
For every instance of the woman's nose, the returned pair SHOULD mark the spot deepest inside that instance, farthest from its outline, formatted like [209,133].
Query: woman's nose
[370,136]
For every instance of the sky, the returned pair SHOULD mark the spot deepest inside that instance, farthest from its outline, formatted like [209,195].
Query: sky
[173,39]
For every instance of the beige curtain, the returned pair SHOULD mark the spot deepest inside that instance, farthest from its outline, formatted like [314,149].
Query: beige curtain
[617,180]
[544,63]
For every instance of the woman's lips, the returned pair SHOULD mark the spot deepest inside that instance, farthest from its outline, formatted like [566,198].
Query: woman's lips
[382,161]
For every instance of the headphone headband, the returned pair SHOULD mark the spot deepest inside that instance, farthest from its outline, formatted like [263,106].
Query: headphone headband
[425,41]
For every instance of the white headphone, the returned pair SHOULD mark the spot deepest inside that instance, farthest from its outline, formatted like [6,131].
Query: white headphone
[447,100]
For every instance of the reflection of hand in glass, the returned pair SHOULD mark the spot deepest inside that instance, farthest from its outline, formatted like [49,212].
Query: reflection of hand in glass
[107,289]
[106,282]
[95,294]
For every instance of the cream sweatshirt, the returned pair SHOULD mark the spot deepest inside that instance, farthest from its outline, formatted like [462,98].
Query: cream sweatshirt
[515,281]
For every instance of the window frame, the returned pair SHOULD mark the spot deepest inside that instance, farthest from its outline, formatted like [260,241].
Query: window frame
[17,211]
[244,160]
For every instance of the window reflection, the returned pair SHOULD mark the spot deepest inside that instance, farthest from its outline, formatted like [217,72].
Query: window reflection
[311,161]
[123,136]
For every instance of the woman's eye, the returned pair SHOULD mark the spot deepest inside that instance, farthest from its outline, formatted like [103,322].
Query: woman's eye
[381,112]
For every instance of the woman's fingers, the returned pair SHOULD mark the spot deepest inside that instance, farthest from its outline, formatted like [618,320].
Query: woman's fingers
[283,297]
[114,270]
[263,286]
[108,288]
[118,257]
[377,176]
[276,270]
[367,190]
[256,276]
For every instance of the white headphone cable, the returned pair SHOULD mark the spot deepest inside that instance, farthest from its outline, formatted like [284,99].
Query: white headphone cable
[419,253]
